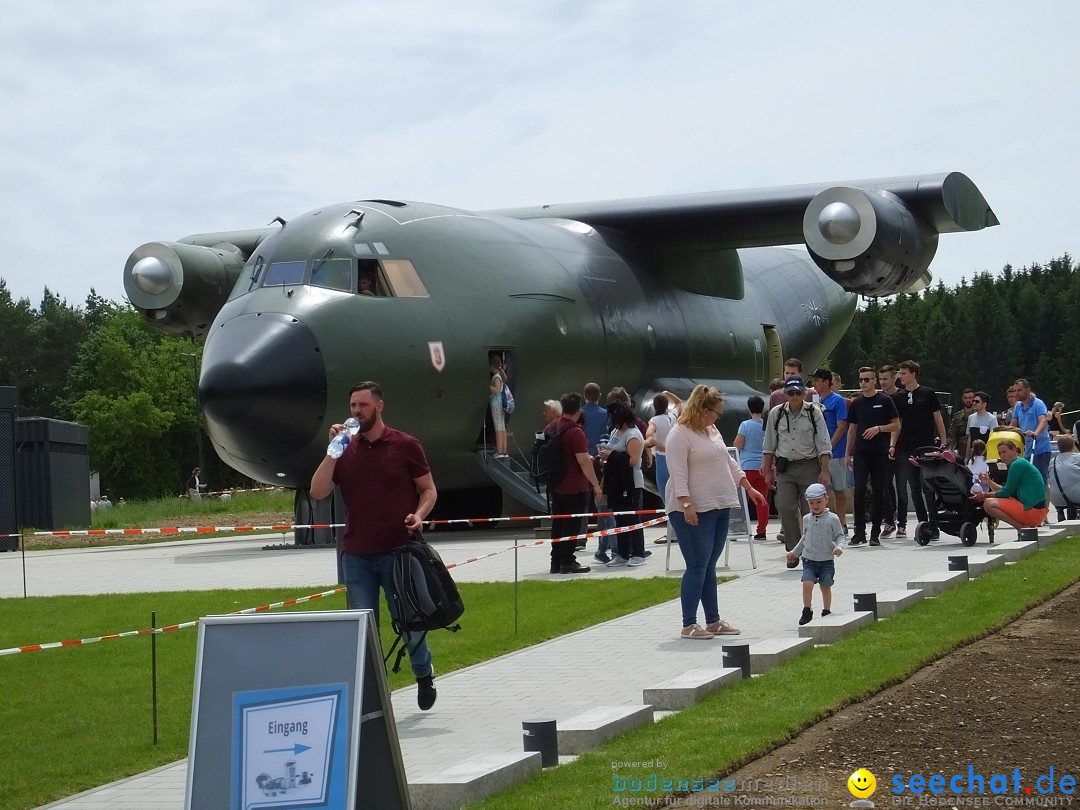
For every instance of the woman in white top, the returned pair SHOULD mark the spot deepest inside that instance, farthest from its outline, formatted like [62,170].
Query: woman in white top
[699,496]
[665,404]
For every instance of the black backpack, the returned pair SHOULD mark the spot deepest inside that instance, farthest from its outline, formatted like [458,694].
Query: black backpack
[424,593]
[548,465]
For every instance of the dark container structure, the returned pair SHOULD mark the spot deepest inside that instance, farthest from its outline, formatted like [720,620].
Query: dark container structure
[53,468]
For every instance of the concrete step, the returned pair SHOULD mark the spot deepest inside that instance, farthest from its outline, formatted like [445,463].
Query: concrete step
[588,730]
[764,655]
[891,602]
[1013,551]
[976,563]
[936,583]
[473,779]
[834,627]
[687,688]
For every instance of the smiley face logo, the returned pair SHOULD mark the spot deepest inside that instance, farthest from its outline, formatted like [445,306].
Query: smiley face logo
[862,784]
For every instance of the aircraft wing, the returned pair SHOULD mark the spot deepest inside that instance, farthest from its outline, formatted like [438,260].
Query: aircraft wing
[873,236]
[759,217]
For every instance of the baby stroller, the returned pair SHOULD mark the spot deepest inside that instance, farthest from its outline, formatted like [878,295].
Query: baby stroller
[948,486]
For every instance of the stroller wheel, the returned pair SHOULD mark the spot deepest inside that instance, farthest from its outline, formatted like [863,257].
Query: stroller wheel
[969,533]
[922,534]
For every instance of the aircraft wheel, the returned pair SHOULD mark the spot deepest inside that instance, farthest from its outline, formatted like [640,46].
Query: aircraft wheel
[922,534]
[969,534]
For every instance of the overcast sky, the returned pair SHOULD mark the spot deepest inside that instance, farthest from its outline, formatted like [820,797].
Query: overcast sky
[128,122]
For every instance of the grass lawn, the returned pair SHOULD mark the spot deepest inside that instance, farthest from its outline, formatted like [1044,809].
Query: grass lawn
[79,717]
[736,725]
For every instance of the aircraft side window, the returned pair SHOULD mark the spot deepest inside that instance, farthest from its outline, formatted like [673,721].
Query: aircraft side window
[402,279]
[335,274]
[283,273]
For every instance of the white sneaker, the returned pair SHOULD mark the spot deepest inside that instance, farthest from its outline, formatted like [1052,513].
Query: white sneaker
[634,562]
[617,561]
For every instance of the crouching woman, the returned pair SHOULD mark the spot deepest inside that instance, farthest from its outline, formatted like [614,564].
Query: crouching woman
[1021,501]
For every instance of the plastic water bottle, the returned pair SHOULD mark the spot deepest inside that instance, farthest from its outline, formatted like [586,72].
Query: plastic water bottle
[338,444]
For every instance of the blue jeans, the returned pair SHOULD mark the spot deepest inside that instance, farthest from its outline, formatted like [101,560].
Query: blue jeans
[363,576]
[700,546]
[662,475]
[608,542]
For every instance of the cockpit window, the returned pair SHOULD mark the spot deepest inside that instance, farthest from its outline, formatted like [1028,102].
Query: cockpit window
[335,274]
[402,279]
[256,272]
[281,273]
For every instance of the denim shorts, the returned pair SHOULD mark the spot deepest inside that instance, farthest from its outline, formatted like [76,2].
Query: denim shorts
[820,571]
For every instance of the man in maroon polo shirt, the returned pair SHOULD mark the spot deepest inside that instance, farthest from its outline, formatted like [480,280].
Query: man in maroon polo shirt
[388,490]
[570,496]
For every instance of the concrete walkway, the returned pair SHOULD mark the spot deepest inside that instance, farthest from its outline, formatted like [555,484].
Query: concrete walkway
[480,708]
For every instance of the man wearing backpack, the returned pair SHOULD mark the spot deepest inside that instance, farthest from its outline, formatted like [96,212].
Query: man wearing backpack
[570,493]
[388,490]
[795,454]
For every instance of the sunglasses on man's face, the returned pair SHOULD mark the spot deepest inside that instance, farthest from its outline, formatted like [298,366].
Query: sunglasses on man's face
[867,379]
[795,393]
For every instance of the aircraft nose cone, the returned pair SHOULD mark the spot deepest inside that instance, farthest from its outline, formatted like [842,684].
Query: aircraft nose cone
[839,223]
[263,387]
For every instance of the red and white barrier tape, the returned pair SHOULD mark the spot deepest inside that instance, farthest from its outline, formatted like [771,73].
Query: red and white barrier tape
[284,527]
[188,529]
[52,645]
[542,517]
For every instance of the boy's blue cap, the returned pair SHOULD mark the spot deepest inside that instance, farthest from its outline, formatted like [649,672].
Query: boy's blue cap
[816,491]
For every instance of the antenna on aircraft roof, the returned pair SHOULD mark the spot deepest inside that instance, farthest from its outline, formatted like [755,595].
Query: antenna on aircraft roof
[282,220]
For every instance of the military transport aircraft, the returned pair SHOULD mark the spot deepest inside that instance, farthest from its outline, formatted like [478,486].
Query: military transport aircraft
[650,294]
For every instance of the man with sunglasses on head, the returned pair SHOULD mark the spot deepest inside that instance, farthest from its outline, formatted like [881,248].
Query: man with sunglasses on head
[872,419]
[920,423]
[980,421]
[795,454]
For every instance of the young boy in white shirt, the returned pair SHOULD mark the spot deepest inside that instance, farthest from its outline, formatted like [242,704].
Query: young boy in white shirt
[823,539]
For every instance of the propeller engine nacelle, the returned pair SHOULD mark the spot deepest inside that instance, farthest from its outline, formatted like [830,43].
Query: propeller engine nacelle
[180,286]
[868,242]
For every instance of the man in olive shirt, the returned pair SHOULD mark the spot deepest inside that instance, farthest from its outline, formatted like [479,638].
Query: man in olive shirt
[795,454]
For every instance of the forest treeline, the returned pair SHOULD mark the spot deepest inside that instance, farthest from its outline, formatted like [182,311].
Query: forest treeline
[982,334]
[102,365]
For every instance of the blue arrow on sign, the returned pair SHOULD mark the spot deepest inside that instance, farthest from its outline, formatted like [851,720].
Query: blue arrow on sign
[296,749]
